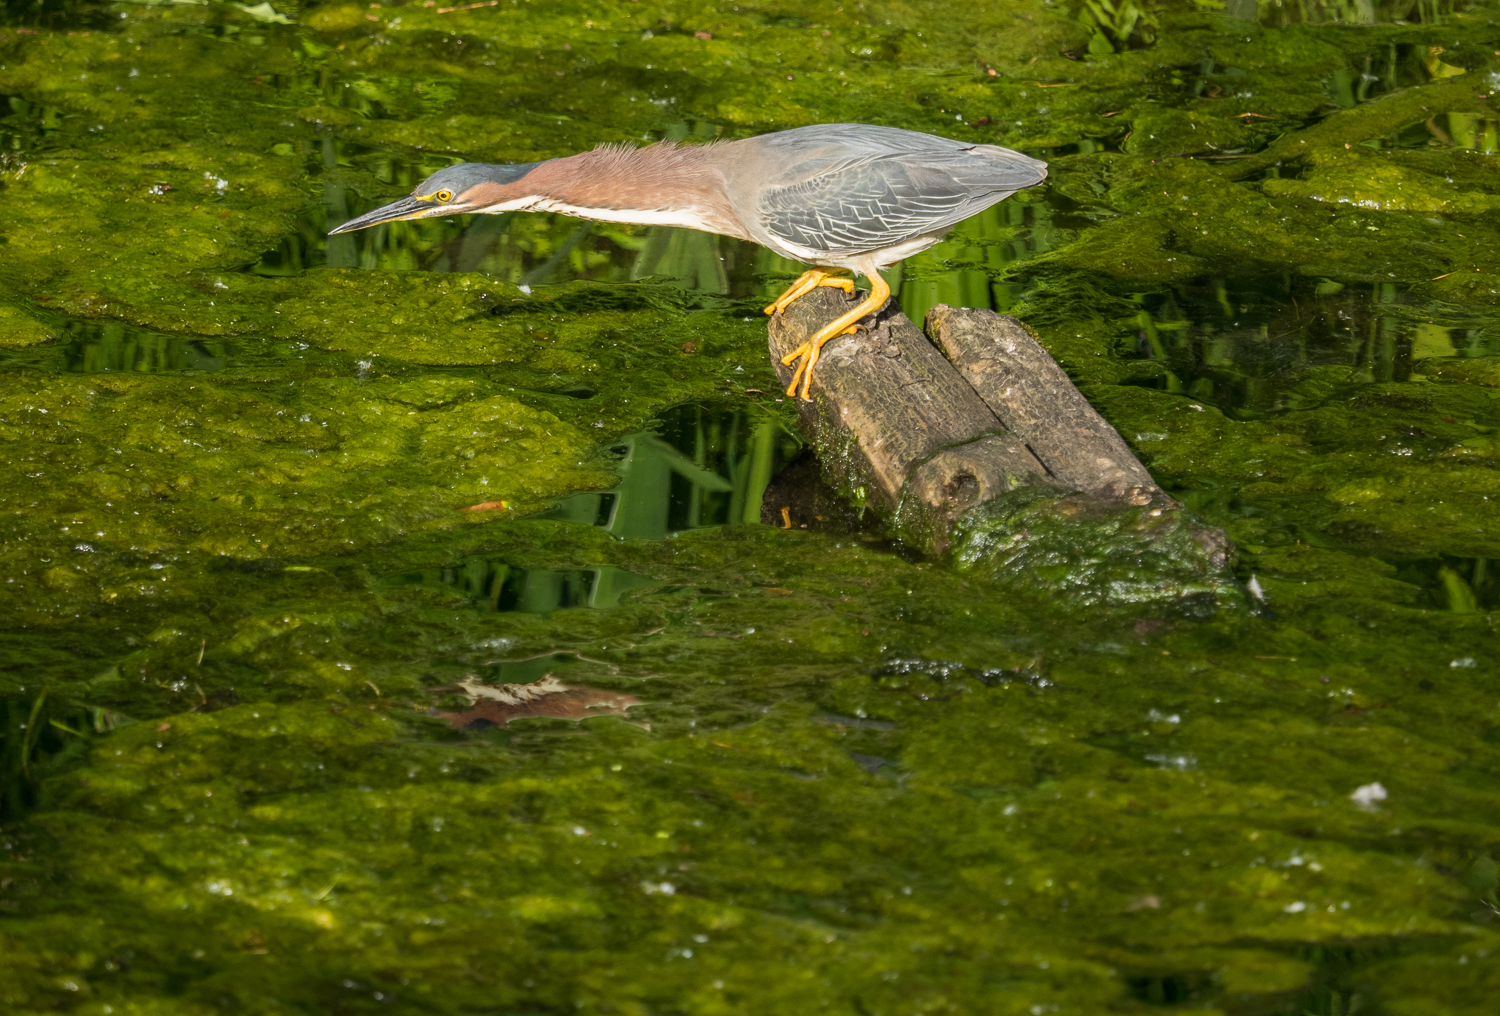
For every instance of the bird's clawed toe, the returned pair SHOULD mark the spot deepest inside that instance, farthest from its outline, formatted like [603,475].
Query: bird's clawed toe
[806,283]
[806,355]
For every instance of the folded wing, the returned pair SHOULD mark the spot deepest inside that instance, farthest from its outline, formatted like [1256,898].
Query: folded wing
[850,206]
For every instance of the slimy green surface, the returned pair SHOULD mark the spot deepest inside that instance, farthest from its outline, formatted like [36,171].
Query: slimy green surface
[239,586]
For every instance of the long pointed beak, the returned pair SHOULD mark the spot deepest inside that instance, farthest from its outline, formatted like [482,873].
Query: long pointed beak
[406,208]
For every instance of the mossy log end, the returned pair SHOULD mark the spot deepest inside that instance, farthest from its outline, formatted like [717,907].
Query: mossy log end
[923,439]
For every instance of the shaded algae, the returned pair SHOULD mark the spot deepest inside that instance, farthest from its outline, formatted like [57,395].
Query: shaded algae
[870,783]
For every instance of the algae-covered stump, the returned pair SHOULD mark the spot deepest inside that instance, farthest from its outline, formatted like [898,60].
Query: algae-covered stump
[926,440]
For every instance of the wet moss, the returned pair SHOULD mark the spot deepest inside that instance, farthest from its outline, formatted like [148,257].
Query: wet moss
[1177,132]
[19,329]
[1482,370]
[316,462]
[1089,554]
[1371,180]
[869,784]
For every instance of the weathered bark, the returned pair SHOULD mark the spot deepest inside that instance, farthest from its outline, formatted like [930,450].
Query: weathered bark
[995,460]
[896,427]
[1036,401]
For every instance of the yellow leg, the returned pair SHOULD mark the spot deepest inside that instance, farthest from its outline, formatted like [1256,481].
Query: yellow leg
[810,350]
[806,283]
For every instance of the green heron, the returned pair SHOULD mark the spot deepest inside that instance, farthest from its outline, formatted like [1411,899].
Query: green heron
[842,197]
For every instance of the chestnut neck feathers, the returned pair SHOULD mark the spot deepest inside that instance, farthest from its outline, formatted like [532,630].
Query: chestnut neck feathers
[663,184]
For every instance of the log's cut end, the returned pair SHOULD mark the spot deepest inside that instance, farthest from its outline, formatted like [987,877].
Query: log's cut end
[1036,400]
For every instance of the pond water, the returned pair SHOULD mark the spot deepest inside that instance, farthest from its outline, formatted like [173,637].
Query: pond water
[286,516]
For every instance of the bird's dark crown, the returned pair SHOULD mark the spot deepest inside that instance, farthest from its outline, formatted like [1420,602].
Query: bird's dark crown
[458,179]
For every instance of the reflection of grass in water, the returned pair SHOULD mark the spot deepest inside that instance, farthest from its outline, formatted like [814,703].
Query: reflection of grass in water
[1116,24]
[1357,12]
[38,737]
[111,346]
[707,466]
[1475,132]
[1460,585]
[503,587]
[968,268]
[688,257]
[1245,343]
[29,128]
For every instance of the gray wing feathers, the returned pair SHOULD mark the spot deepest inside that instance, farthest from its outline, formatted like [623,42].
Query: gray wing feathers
[853,206]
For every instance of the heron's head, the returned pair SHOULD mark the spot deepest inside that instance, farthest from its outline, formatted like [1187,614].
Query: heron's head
[467,187]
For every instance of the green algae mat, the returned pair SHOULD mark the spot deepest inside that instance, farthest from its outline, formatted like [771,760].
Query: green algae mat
[288,730]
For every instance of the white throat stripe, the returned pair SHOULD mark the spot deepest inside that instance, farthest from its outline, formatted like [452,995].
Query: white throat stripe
[679,217]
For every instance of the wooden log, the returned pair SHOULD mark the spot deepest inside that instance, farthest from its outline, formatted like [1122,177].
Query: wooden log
[895,426]
[1005,481]
[1032,396]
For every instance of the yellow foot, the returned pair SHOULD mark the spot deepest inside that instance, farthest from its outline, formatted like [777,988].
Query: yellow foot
[810,280]
[845,324]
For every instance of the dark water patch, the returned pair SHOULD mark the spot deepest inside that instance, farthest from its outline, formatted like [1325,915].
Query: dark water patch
[1460,585]
[110,347]
[576,393]
[1247,343]
[798,498]
[41,735]
[1171,989]
[1340,981]
[530,669]
[86,346]
[1338,984]
[585,299]
[30,129]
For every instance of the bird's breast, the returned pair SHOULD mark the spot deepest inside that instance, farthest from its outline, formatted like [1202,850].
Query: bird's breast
[686,218]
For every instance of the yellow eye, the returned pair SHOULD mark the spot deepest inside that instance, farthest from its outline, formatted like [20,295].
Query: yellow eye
[444,195]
